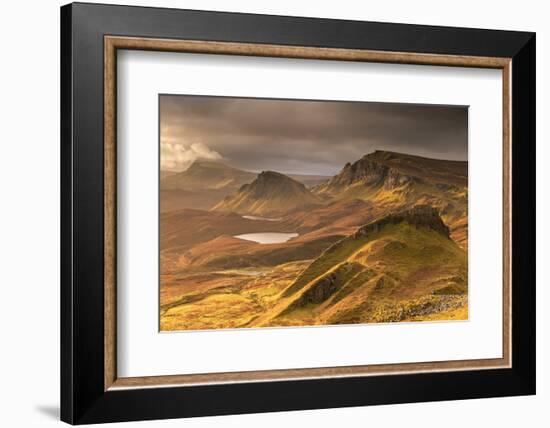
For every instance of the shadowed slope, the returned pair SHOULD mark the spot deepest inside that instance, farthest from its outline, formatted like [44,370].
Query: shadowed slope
[271,194]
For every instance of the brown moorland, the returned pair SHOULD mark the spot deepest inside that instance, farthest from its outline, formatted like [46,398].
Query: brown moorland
[383,241]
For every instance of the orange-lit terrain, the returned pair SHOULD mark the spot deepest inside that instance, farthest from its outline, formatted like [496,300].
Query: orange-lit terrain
[384,240]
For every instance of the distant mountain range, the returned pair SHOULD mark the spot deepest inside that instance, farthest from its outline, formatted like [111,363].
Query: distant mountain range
[389,181]
[377,184]
[205,183]
[207,175]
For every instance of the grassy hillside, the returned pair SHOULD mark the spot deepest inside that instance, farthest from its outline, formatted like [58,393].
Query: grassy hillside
[392,181]
[402,267]
[385,240]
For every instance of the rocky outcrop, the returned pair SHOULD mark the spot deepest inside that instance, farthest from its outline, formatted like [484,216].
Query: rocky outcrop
[422,216]
[363,170]
[327,285]
[418,216]
[368,172]
[389,170]
[320,291]
[395,179]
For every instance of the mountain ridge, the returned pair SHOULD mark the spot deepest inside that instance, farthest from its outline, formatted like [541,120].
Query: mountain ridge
[392,169]
[418,216]
[407,254]
[384,240]
[393,181]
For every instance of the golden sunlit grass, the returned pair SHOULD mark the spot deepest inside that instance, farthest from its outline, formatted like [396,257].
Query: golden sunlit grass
[356,259]
[400,273]
[216,311]
[228,307]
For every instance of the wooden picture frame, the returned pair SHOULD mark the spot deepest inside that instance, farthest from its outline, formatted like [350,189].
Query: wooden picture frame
[91,390]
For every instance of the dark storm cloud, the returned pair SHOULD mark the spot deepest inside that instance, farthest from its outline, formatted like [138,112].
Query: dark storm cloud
[308,137]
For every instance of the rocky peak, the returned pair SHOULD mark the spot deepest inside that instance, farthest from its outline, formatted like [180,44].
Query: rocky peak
[362,170]
[270,193]
[270,182]
[369,170]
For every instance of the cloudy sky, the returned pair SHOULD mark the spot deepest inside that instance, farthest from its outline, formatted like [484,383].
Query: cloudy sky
[303,137]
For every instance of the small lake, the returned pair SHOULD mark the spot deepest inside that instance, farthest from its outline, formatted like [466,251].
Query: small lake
[253,217]
[267,237]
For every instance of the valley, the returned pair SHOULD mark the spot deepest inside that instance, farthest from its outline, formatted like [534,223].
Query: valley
[383,240]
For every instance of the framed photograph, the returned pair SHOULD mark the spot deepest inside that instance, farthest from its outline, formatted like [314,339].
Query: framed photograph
[266,213]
